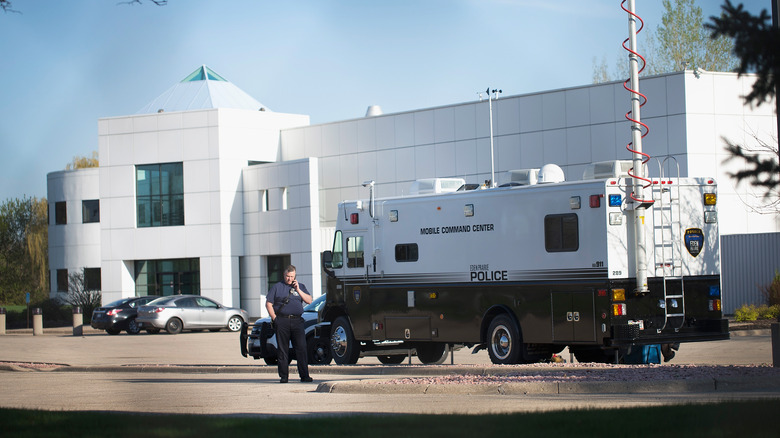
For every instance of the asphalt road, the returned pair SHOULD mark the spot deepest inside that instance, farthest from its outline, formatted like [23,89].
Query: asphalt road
[204,373]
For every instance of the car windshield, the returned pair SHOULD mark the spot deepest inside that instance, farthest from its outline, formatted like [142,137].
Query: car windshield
[315,305]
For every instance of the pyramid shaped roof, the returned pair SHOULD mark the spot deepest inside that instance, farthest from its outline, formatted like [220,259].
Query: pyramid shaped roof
[202,89]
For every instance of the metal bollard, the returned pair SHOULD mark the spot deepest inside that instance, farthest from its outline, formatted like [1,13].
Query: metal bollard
[78,322]
[37,321]
[2,320]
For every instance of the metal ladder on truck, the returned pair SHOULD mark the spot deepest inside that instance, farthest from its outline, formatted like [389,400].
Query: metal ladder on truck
[667,242]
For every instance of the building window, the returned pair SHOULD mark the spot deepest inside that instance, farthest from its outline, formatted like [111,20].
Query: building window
[62,280]
[263,200]
[159,195]
[406,252]
[284,198]
[561,232]
[167,277]
[90,211]
[276,266]
[92,279]
[60,213]
[355,252]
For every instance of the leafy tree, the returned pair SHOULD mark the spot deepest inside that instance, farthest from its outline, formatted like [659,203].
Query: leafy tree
[680,42]
[23,249]
[80,162]
[757,44]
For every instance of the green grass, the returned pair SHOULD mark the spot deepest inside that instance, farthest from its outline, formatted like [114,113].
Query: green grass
[726,419]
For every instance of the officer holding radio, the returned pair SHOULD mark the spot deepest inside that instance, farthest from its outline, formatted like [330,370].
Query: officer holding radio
[284,303]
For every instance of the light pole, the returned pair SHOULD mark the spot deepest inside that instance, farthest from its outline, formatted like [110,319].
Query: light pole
[492,94]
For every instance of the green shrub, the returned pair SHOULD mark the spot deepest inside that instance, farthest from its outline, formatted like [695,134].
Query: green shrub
[769,312]
[752,312]
[746,313]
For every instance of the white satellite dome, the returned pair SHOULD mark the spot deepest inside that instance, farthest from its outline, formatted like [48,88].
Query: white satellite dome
[551,173]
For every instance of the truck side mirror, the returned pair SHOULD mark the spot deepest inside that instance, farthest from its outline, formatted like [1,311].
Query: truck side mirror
[327,263]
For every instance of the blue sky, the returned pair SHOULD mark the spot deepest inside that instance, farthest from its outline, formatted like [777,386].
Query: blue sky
[68,63]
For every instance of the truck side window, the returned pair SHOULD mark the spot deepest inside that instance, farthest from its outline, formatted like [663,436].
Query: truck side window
[561,232]
[338,256]
[355,252]
[406,252]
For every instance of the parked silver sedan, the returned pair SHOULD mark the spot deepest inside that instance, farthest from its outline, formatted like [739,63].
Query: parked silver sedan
[189,312]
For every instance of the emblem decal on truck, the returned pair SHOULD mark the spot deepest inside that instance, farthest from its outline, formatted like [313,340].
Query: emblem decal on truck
[694,241]
[356,295]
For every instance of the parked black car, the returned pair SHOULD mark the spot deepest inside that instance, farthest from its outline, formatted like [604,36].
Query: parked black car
[120,315]
[261,342]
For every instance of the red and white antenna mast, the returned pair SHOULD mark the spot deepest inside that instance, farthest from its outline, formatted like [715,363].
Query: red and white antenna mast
[638,131]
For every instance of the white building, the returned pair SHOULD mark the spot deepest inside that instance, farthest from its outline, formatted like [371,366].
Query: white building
[207,191]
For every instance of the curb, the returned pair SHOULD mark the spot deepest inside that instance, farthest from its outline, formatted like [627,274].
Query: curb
[556,388]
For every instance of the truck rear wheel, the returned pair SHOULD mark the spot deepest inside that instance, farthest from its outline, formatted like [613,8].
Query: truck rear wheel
[504,343]
[343,347]
[432,353]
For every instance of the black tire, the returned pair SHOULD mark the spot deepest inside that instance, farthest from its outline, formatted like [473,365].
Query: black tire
[504,344]
[234,323]
[595,355]
[153,331]
[132,327]
[343,347]
[393,359]
[174,326]
[271,360]
[318,351]
[433,353]
[113,331]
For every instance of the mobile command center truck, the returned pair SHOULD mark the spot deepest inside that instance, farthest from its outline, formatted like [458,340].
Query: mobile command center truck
[526,270]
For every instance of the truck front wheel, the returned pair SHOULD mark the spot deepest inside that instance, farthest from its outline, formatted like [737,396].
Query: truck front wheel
[343,347]
[504,342]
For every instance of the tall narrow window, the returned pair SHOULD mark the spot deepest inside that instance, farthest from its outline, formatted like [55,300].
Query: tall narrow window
[159,195]
[263,200]
[60,213]
[92,279]
[285,191]
[355,252]
[90,211]
[276,266]
[62,280]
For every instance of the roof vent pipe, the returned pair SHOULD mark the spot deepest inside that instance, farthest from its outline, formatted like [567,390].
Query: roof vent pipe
[374,110]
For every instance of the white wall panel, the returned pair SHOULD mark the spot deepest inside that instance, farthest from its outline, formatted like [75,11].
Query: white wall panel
[749,261]
[465,122]
[366,140]
[423,127]
[445,163]
[444,124]
[577,107]
[404,130]
[506,116]
[385,133]
[531,114]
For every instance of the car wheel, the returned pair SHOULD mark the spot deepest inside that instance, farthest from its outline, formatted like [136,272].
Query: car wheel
[234,323]
[432,353]
[173,326]
[318,351]
[153,331]
[393,359]
[271,360]
[132,327]
[113,331]
[343,346]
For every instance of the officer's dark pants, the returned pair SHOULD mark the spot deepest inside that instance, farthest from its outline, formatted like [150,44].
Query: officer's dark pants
[286,329]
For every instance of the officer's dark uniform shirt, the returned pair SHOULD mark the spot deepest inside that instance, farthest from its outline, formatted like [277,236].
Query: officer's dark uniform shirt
[279,292]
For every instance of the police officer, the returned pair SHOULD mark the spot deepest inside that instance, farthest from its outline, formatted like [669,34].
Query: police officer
[285,306]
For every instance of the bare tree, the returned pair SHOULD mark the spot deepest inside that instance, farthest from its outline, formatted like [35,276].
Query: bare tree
[81,294]
[80,162]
